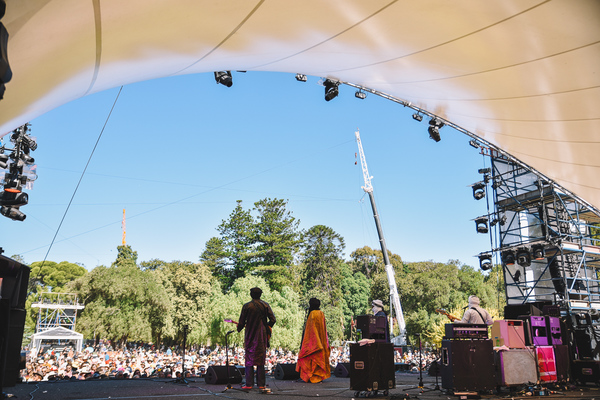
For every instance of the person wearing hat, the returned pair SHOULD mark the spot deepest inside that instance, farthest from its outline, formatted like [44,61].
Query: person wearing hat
[475,314]
[313,358]
[258,319]
[377,309]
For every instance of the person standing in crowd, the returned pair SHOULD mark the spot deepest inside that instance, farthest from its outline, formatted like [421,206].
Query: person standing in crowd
[313,359]
[258,319]
[377,309]
[475,314]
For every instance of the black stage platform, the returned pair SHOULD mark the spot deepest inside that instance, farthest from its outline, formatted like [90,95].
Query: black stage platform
[196,388]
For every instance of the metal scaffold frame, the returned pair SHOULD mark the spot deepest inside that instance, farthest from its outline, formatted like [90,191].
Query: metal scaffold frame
[57,309]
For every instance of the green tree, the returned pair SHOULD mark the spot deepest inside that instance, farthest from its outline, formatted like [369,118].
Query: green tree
[214,257]
[50,274]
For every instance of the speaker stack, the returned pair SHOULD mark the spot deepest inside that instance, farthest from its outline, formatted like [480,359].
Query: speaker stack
[342,370]
[372,367]
[467,362]
[286,372]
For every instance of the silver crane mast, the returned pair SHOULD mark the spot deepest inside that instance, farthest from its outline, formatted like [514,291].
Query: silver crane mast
[395,307]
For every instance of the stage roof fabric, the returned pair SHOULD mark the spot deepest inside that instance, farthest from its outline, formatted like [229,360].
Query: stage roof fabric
[523,75]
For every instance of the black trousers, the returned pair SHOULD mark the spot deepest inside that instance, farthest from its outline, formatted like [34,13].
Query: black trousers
[260,375]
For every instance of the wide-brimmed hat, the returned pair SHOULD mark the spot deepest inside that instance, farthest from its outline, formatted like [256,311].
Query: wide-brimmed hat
[377,303]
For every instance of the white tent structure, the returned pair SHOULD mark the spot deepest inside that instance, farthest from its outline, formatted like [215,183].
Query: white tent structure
[58,333]
[521,75]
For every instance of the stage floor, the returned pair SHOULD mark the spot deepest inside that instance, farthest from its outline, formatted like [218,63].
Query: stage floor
[407,384]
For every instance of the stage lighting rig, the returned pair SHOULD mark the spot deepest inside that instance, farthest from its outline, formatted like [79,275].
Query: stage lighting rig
[508,257]
[417,117]
[485,262]
[523,257]
[473,143]
[224,78]
[537,252]
[434,129]
[360,95]
[481,224]
[478,190]
[301,78]
[331,89]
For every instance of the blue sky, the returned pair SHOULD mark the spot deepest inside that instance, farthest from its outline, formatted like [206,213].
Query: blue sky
[178,152]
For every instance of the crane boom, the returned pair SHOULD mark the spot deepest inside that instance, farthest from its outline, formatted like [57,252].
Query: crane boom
[389,269]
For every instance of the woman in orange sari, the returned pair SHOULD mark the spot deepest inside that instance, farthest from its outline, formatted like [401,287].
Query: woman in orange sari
[313,359]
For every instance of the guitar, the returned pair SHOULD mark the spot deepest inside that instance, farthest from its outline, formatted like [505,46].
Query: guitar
[450,316]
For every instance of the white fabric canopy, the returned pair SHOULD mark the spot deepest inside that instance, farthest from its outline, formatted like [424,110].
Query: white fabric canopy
[521,74]
[58,333]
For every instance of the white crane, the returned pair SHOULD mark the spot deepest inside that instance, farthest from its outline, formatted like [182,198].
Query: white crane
[395,307]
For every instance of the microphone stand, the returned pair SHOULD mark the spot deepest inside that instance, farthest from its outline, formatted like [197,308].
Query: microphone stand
[227,359]
[420,386]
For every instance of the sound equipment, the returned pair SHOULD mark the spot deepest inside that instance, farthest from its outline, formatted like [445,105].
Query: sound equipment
[546,363]
[372,367]
[468,365]
[554,331]
[509,333]
[217,374]
[372,327]
[516,367]
[14,278]
[342,370]
[536,333]
[563,364]
[551,311]
[286,372]
[586,371]
[518,311]
[466,331]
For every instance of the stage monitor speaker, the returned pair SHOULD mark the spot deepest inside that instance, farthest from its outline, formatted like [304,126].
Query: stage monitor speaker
[342,370]
[372,367]
[468,365]
[217,374]
[516,367]
[286,372]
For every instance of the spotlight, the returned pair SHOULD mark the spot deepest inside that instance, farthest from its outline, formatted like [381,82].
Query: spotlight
[502,220]
[434,129]
[478,191]
[417,117]
[485,262]
[473,143]
[497,183]
[13,186]
[538,252]
[12,213]
[493,222]
[523,257]
[331,89]
[301,78]
[360,95]
[14,199]
[224,78]
[508,257]
[481,225]
[3,161]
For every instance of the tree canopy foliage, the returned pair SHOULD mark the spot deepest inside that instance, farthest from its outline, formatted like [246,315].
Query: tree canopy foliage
[263,246]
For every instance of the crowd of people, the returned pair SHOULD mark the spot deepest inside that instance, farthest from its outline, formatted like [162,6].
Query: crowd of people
[138,360]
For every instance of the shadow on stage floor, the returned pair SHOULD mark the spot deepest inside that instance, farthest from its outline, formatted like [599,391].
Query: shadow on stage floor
[407,386]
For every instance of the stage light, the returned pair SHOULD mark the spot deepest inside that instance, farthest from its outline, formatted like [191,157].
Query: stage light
[538,252]
[224,78]
[523,257]
[331,89]
[485,262]
[434,129]
[360,95]
[473,143]
[417,117]
[301,78]
[503,220]
[478,191]
[508,257]
[13,199]
[497,183]
[3,161]
[481,224]
[12,213]
[13,186]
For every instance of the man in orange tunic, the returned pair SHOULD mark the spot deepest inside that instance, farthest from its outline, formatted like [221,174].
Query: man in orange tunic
[313,359]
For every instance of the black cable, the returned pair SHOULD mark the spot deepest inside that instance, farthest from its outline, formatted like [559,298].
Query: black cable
[79,183]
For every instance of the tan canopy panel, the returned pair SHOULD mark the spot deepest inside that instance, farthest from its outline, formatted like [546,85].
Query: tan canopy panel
[56,335]
[523,75]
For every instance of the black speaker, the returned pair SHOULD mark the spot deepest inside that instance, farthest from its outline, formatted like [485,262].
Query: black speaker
[518,311]
[342,370]
[286,372]
[372,366]
[372,327]
[563,364]
[218,375]
[468,365]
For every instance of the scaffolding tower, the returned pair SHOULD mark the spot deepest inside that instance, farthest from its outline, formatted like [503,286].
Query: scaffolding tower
[57,309]
[548,243]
